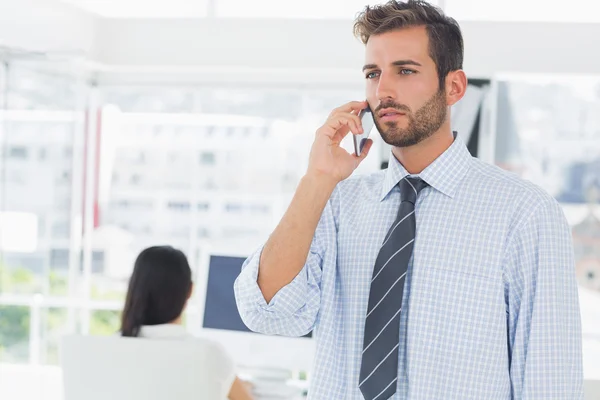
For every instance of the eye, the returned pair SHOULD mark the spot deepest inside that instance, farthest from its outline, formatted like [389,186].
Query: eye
[406,71]
[372,75]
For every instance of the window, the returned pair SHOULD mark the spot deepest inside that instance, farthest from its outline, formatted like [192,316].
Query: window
[203,233]
[60,229]
[135,179]
[97,261]
[247,208]
[24,270]
[15,177]
[133,204]
[63,203]
[133,219]
[232,208]
[59,258]
[45,98]
[180,232]
[64,178]
[207,158]
[240,232]
[179,205]
[18,152]
[14,334]
[210,184]
[173,157]
[121,204]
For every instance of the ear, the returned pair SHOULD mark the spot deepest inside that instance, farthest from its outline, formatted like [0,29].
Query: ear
[191,290]
[456,86]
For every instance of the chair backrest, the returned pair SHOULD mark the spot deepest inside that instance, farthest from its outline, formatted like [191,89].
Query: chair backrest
[117,368]
[591,389]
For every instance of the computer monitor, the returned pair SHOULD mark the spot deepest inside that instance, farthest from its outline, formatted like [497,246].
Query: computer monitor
[220,310]
[221,320]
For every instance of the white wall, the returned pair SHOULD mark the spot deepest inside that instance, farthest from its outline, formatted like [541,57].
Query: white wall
[272,50]
[45,26]
[228,50]
[324,48]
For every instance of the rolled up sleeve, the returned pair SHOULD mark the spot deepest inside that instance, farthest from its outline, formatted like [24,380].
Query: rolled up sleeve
[294,309]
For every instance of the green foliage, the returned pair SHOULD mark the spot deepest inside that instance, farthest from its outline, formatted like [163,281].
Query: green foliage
[18,280]
[14,333]
[98,294]
[15,320]
[105,322]
[55,326]
[58,283]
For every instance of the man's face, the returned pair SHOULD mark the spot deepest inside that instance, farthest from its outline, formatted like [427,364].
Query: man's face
[402,87]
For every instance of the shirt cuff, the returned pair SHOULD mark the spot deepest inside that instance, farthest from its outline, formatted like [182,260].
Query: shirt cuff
[286,302]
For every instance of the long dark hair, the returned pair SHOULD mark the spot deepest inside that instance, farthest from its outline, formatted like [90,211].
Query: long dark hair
[158,289]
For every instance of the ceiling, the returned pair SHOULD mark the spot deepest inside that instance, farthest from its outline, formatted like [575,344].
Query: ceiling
[142,8]
[221,8]
[490,10]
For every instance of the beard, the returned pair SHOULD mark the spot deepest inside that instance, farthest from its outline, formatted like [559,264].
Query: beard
[422,124]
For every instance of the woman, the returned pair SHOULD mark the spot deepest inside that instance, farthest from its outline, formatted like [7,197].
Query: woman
[158,291]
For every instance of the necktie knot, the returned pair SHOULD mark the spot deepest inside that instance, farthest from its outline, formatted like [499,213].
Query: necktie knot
[410,188]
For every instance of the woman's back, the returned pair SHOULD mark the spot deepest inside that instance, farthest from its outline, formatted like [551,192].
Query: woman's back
[159,289]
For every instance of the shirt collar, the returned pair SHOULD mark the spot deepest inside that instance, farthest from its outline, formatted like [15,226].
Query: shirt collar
[443,174]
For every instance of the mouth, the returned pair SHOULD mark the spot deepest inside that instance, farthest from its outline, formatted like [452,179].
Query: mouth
[390,115]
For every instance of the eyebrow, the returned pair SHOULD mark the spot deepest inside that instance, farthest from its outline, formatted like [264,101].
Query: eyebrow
[398,63]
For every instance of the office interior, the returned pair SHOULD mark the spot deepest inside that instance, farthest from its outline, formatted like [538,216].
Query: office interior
[129,123]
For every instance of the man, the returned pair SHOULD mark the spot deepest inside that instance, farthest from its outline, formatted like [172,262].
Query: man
[441,277]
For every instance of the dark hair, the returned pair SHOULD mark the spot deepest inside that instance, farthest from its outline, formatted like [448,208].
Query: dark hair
[446,46]
[158,289]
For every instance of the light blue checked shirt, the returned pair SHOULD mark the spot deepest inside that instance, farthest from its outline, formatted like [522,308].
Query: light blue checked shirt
[490,308]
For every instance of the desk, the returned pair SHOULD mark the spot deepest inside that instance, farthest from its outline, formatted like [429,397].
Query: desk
[274,384]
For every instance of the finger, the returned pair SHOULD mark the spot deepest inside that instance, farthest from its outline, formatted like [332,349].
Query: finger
[347,125]
[340,134]
[349,107]
[332,130]
[354,122]
[340,125]
[356,130]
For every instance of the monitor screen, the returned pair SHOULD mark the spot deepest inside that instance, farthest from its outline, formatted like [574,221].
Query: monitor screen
[220,309]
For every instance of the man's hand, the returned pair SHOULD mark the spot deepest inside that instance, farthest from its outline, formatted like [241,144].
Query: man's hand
[327,158]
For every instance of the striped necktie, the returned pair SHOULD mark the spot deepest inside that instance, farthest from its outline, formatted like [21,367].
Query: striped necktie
[379,367]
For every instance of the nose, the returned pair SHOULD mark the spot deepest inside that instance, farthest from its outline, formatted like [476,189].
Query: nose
[385,88]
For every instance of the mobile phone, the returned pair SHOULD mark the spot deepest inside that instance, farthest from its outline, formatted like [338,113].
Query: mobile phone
[366,117]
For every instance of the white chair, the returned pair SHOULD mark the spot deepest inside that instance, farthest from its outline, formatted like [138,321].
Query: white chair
[117,368]
[591,389]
